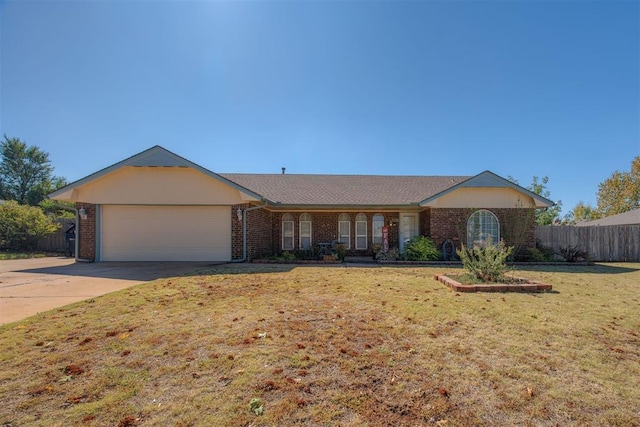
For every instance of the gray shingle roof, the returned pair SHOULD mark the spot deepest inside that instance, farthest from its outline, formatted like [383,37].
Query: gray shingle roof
[378,190]
[625,218]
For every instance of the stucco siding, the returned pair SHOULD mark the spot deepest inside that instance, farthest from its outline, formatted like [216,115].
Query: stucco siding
[157,186]
[483,198]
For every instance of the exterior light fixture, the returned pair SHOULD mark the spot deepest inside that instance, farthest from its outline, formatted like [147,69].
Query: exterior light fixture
[239,213]
[83,213]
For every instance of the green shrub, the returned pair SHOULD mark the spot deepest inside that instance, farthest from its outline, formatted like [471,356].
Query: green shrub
[486,264]
[420,248]
[21,226]
[392,254]
[341,251]
[287,256]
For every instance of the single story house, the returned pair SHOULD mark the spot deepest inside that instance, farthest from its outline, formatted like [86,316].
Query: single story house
[158,206]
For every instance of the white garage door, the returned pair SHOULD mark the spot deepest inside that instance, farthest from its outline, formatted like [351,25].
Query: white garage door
[166,233]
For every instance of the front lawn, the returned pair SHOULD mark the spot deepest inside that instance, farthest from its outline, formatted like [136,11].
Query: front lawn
[332,345]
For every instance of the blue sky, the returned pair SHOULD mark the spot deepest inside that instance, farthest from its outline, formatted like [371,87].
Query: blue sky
[522,88]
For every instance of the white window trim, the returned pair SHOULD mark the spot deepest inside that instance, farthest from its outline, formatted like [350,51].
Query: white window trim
[361,235]
[471,243]
[301,236]
[348,224]
[373,229]
[293,233]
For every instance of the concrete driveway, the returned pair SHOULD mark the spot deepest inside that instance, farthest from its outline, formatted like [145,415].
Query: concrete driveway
[30,286]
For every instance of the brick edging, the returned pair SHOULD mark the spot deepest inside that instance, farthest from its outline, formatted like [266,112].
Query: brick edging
[530,286]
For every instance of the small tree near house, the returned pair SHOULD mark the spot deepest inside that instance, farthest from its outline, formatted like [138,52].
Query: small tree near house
[517,228]
[488,264]
[21,226]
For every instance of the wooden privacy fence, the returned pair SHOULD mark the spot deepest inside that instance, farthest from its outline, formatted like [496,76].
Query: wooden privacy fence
[602,242]
[56,242]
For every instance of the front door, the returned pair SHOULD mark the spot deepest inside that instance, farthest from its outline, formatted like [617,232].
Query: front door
[408,227]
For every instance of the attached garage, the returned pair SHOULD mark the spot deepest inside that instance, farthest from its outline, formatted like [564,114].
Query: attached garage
[157,206]
[165,233]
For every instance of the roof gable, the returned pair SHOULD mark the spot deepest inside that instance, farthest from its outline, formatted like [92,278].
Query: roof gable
[299,190]
[488,179]
[156,156]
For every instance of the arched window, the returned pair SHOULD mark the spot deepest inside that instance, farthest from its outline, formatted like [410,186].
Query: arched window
[287,232]
[344,230]
[305,231]
[377,224]
[361,231]
[483,229]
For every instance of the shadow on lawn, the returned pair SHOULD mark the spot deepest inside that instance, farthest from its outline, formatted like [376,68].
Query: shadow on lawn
[140,271]
[248,268]
[580,269]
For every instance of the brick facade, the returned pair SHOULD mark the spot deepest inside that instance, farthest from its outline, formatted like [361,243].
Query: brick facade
[259,238]
[517,226]
[324,229]
[264,228]
[86,234]
[259,233]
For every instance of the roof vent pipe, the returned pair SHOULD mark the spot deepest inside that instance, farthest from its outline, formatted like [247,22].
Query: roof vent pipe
[283,169]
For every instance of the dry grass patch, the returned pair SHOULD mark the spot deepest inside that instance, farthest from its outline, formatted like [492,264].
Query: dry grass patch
[332,346]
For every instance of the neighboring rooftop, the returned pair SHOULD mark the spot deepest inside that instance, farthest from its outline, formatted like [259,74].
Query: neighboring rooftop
[625,218]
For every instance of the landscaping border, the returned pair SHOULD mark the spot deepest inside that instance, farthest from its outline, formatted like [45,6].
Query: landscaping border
[530,286]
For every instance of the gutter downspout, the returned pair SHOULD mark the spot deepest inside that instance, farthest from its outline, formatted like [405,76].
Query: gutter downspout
[244,231]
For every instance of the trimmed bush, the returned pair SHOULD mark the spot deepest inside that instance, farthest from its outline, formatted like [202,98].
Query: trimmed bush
[488,264]
[420,248]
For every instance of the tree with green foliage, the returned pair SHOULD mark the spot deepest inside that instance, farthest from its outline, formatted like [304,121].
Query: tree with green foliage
[583,212]
[620,192]
[21,226]
[26,174]
[544,216]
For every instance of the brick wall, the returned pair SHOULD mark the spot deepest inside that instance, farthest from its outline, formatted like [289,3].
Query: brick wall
[425,222]
[259,237]
[517,225]
[236,232]
[324,228]
[86,234]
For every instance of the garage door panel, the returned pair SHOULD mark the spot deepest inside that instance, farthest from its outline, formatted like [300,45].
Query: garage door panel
[166,233]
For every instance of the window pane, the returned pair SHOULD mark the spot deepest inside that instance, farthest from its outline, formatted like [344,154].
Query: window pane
[361,231]
[287,243]
[483,229]
[344,233]
[378,223]
[287,228]
[305,232]
[305,228]
[287,232]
